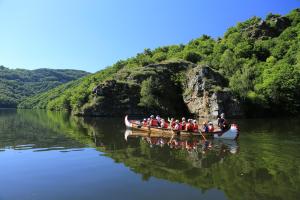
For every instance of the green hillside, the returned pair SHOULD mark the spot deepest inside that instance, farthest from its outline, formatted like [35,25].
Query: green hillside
[17,84]
[260,59]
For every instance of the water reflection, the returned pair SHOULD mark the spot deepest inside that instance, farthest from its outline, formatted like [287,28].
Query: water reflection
[263,164]
[195,143]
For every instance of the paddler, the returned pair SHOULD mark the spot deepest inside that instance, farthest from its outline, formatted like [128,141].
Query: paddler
[145,123]
[222,123]
[205,127]
[195,126]
[183,123]
[163,124]
[171,122]
[158,119]
[153,121]
[177,126]
[189,126]
[211,127]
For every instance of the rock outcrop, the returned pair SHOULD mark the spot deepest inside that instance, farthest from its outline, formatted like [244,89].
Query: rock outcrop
[113,98]
[206,94]
[201,92]
[272,27]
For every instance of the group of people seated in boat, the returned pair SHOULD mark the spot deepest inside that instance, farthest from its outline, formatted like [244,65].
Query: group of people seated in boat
[186,125]
[189,125]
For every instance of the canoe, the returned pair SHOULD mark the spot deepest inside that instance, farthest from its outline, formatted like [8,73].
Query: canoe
[232,133]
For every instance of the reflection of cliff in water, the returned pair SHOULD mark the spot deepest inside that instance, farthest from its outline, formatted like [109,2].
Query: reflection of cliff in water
[25,129]
[259,166]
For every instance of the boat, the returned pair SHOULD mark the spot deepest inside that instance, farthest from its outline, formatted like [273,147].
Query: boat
[231,134]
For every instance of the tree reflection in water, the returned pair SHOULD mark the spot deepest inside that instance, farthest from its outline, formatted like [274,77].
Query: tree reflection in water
[263,164]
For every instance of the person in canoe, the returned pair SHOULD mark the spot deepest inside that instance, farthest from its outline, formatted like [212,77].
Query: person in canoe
[210,127]
[153,121]
[171,123]
[222,123]
[183,123]
[189,126]
[195,126]
[144,122]
[163,124]
[177,126]
[205,127]
[158,120]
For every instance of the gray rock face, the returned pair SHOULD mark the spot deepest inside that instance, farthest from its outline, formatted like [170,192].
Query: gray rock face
[113,98]
[203,93]
[206,94]
[267,28]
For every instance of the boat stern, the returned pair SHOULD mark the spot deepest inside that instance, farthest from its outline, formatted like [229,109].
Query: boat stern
[231,134]
[127,122]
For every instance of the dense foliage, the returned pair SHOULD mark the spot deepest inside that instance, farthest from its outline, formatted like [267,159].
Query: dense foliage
[16,84]
[259,58]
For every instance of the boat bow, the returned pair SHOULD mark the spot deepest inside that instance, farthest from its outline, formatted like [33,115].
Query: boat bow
[127,122]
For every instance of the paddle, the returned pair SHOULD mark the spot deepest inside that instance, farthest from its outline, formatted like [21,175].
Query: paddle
[202,135]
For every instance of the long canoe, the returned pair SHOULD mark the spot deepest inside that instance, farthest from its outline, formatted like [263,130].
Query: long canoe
[232,133]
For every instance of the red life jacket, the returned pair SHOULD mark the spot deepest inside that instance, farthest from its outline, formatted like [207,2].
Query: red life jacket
[189,127]
[173,124]
[183,125]
[154,122]
[144,123]
[195,128]
[177,127]
[166,125]
[180,126]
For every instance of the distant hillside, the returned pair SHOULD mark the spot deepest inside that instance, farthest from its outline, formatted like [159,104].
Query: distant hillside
[259,60]
[17,84]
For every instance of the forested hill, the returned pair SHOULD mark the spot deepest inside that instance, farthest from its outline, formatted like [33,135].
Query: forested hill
[16,84]
[259,60]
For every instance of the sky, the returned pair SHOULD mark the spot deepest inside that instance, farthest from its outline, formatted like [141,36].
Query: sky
[93,34]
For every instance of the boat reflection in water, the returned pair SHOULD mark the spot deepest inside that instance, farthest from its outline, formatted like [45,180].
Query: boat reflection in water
[197,149]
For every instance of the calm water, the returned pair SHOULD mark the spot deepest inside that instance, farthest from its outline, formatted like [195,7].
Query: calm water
[46,155]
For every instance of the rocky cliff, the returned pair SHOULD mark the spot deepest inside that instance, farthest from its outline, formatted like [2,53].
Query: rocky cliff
[176,87]
[206,94]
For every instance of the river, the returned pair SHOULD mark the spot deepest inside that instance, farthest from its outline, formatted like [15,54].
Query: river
[47,155]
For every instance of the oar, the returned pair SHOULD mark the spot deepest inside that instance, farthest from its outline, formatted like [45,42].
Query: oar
[202,135]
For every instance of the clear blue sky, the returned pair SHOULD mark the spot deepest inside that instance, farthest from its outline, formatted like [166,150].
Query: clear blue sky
[93,34]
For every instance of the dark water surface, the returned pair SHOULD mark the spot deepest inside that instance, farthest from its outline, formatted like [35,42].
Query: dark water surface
[46,155]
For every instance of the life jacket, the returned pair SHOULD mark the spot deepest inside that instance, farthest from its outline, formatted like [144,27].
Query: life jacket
[195,128]
[189,127]
[145,123]
[210,128]
[154,122]
[180,126]
[173,124]
[166,125]
[183,125]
